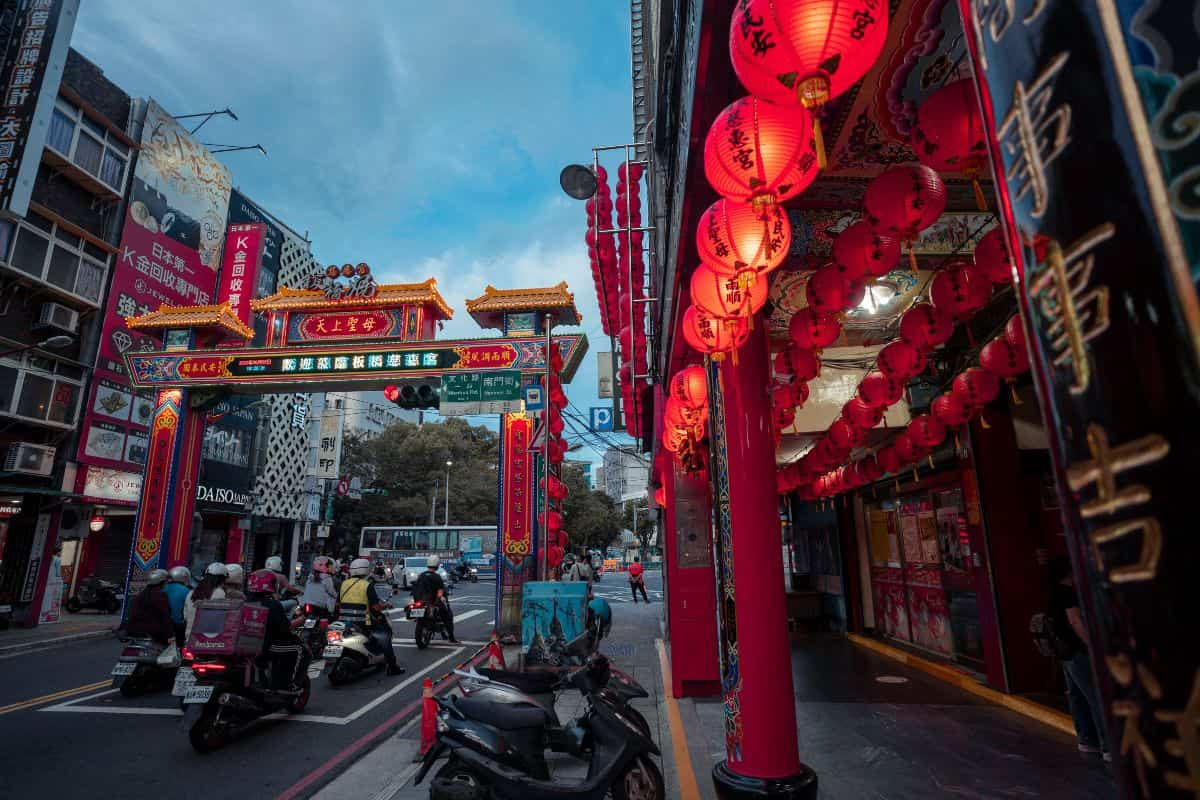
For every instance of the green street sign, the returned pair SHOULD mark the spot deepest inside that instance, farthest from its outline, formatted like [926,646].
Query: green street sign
[462,388]
[480,393]
[500,386]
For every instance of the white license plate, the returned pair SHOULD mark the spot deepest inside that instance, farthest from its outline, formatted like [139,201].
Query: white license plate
[332,651]
[414,613]
[5,609]
[198,694]
[310,623]
[124,668]
[184,680]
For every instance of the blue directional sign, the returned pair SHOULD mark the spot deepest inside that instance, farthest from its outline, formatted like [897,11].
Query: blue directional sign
[602,418]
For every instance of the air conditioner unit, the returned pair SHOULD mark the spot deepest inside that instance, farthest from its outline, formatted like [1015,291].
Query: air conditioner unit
[58,317]
[29,459]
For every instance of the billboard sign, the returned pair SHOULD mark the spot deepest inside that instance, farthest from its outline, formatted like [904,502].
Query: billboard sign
[239,269]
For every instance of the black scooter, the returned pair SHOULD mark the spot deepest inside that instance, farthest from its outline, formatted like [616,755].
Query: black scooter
[495,752]
[97,593]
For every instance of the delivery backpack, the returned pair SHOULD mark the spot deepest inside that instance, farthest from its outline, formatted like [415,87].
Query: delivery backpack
[1047,638]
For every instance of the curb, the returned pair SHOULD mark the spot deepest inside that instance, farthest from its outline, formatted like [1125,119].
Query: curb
[1035,711]
[38,644]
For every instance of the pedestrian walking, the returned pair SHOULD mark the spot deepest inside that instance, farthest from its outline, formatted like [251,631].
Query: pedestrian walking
[582,570]
[637,580]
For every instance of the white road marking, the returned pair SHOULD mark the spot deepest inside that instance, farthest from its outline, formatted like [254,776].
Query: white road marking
[457,617]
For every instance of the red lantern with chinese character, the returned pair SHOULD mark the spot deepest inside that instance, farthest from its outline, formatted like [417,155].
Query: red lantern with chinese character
[925,326]
[1014,332]
[677,415]
[889,460]
[708,334]
[926,431]
[674,439]
[959,290]
[907,450]
[901,361]
[811,330]
[760,153]
[950,410]
[949,134]
[784,417]
[869,470]
[830,292]
[861,415]
[976,387]
[903,201]
[804,364]
[1000,357]
[690,387]
[728,296]
[861,253]
[783,395]
[557,489]
[805,51]
[991,257]
[845,436]
[879,391]
[733,237]
[782,366]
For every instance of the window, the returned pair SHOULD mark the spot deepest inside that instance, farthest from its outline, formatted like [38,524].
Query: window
[71,264]
[40,389]
[89,144]
[35,396]
[8,388]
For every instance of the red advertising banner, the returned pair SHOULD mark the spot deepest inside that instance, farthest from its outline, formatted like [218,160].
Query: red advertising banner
[240,265]
[515,517]
[152,514]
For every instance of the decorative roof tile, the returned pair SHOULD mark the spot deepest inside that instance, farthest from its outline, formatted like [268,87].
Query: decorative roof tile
[217,316]
[388,294]
[551,298]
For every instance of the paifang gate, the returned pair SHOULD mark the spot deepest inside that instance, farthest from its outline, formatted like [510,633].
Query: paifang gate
[344,331]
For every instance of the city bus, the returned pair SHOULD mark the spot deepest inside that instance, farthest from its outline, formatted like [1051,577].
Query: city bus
[394,544]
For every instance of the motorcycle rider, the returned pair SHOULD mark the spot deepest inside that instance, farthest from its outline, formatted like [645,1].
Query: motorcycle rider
[234,578]
[283,587]
[177,591]
[281,648]
[150,613]
[431,589]
[211,587]
[319,591]
[360,605]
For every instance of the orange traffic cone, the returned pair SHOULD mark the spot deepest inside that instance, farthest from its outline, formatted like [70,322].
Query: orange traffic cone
[428,717]
[495,654]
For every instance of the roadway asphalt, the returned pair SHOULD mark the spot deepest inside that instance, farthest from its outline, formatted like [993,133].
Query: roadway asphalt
[66,734]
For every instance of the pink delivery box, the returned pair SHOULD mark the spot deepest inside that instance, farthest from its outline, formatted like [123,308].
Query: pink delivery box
[228,628]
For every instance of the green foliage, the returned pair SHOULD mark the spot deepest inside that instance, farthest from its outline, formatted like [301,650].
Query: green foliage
[645,522]
[590,517]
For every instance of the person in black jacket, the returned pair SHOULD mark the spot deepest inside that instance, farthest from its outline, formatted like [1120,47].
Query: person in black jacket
[150,611]
[280,645]
[431,589]
[1082,698]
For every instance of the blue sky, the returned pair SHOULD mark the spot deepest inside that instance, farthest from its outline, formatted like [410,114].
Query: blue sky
[424,139]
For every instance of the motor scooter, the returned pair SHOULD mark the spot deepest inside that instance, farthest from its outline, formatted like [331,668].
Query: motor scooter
[97,593]
[429,621]
[142,668]
[351,651]
[311,624]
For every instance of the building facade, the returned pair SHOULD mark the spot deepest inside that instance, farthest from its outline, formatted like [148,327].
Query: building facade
[626,474]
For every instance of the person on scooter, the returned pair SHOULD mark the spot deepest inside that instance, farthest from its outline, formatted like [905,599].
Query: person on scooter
[284,589]
[211,587]
[281,648]
[177,590]
[360,605]
[150,612]
[319,591]
[235,577]
[431,589]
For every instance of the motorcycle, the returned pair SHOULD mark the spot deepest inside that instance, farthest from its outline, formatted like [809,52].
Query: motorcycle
[97,593]
[225,694]
[350,652]
[428,619]
[494,750]
[144,666]
[311,625]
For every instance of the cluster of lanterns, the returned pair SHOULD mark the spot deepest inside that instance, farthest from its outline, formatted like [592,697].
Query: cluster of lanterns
[551,521]
[602,250]
[684,414]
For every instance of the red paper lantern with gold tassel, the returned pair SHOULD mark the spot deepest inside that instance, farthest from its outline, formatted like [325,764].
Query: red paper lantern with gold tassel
[949,134]
[733,237]
[812,330]
[903,201]
[900,361]
[959,290]
[926,431]
[991,257]
[728,296]
[760,153]
[861,415]
[804,363]
[690,387]
[976,387]
[878,390]
[925,326]
[861,253]
[712,336]
[830,292]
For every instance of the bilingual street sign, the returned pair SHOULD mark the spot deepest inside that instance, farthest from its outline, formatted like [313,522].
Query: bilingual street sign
[480,393]
[601,418]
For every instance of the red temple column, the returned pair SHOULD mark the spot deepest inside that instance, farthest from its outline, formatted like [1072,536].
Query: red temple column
[762,757]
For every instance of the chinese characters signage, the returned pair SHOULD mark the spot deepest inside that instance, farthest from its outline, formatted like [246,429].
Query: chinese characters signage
[342,325]
[516,516]
[239,270]
[37,33]
[112,485]
[480,393]
[153,512]
[345,282]
[329,446]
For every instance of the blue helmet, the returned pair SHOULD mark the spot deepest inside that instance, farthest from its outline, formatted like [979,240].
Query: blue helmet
[599,619]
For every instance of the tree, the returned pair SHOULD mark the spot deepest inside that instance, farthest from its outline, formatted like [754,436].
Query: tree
[590,517]
[645,521]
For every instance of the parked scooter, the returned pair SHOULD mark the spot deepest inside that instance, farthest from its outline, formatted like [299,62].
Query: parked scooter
[144,666]
[350,651]
[97,593]
[429,622]
[231,692]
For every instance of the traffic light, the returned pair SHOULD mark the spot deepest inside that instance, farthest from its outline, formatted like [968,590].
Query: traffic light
[413,396]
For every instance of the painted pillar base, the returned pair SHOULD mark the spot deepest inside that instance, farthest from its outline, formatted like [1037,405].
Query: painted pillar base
[733,786]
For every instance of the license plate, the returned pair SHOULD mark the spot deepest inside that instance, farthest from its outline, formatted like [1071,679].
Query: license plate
[124,668]
[310,623]
[184,680]
[332,651]
[198,694]
[414,613]
[5,609]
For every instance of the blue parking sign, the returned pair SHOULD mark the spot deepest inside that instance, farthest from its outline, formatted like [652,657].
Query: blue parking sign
[602,418]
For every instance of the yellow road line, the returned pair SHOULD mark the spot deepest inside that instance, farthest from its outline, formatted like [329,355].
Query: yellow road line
[688,788]
[47,698]
[1036,711]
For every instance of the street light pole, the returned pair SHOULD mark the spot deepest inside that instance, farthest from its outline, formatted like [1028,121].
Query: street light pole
[449,464]
[433,503]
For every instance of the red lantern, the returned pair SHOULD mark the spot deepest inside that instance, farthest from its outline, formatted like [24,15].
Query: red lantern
[811,330]
[732,237]
[845,436]
[674,439]
[991,257]
[677,415]
[903,201]
[861,253]
[759,153]
[1014,332]
[783,395]
[950,410]
[901,361]
[728,296]
[782,366]
[660,496]
[558,490]
[709,335]
[925,326]
[556,422]
[861,415]
[830,292]
[806,51]
[949,134]
[555,521]
[959,290]
[879,391]
[888,460]
[1000,357]
[976,387]
[804,363]
[784,417]
[907,450]
[926,431]
[799,394]
[690,387]
[869,470]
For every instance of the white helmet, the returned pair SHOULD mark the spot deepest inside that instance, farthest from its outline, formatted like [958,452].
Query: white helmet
[157,577]
[235,574]
[275,564]
[181,574]
[216,568]
[433,561]
[360,567]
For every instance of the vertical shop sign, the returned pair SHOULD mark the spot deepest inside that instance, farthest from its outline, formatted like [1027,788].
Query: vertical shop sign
[239,269]
[38,33]
[329,446]
[1114,348]
[40,531]
[515,564]
[152,513]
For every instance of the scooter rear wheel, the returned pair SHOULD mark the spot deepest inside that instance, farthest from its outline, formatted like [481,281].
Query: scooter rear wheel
[73,605]
[423,635]
[639,780]
[455,772]
[301,702]
[207,734]
[135,684]
[341,672]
